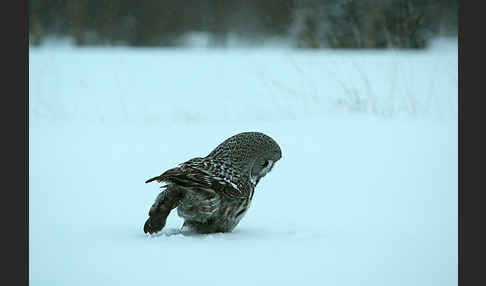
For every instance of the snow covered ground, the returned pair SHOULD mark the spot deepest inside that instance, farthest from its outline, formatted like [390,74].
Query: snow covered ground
[365,194]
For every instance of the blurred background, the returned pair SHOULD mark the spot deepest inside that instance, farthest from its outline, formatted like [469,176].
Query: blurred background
[221,23]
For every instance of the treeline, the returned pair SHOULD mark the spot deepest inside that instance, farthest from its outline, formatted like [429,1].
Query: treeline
[307,23]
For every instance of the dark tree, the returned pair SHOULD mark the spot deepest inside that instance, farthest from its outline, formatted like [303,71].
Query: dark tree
[309,23]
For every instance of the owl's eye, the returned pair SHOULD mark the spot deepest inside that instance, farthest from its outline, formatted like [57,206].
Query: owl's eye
[264,164]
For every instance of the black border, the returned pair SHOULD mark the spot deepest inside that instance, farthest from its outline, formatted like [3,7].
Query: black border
[15,140]
[461,204]
[471,223]
[25,162]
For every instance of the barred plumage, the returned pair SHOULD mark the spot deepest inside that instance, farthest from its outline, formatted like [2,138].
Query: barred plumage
[213,193]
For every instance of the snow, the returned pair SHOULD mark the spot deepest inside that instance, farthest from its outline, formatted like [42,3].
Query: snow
[365,192]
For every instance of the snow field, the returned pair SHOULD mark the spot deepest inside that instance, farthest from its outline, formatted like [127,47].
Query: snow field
[362,196]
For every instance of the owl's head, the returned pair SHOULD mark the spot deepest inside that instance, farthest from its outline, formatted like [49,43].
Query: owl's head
[251,153]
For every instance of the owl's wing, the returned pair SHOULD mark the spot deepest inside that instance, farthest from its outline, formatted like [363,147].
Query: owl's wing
[183,176]
[193,175]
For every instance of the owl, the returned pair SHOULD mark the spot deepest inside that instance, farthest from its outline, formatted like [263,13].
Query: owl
[213,193]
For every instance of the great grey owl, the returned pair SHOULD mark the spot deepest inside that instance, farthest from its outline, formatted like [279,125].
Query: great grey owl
[213,193]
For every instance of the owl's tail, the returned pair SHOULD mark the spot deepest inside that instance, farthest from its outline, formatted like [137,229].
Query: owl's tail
[152,179]
[171,175]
